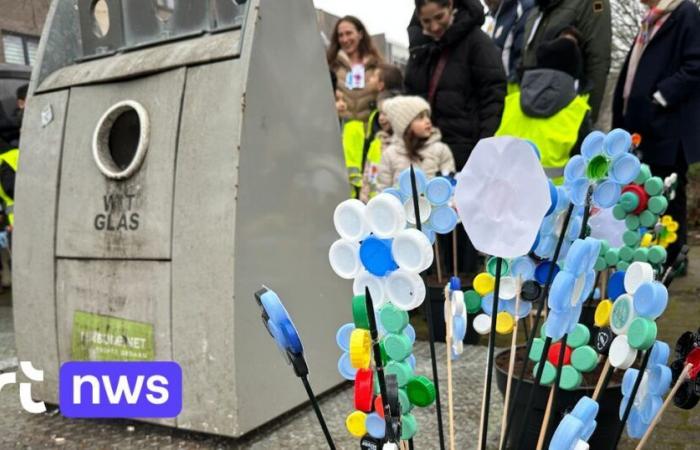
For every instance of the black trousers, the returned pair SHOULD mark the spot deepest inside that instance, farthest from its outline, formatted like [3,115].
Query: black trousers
[678,207]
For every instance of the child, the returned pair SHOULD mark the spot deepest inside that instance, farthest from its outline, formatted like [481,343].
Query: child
[549,110]
[415,141]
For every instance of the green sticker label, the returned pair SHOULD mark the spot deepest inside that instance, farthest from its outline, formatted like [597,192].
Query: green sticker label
[105,338]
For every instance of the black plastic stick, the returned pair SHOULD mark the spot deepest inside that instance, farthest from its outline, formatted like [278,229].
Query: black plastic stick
[319,415]
[429,318]
[630,400]
[489,359]
[378,366]
[533,332]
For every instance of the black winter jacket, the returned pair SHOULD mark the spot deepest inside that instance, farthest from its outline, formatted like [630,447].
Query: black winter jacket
[671,65]
[469,99]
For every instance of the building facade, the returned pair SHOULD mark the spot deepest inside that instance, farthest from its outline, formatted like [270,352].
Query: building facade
[21,22]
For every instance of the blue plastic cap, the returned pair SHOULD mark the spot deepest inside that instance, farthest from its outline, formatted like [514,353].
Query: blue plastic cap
[546,246]
[439,191]
[616,285]
[607,193]
[455,284]
[562,199]
[523,309]
[628,380]
[578,189]
[588,286]
[376,426]
[556,325]
[574,317]
[650,406]
[342,337]
[617,142]
[429,233]
[459,328]
[593,145]
[375,255]
[586,409]
[410,332]
[575,169]
[660,353]
[567,434]
[651,299]
[561,291]
[524,267]
[405,182]
[635,425]
[553,196]
[345,368]
[660,378]
[396,193]
[542,271]
[412,361]
[280,324]
[625,168]
[577,258]
[443,219]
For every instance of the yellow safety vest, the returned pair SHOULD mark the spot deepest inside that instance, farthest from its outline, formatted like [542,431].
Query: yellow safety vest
[355,132]
[11,157]
[554,136]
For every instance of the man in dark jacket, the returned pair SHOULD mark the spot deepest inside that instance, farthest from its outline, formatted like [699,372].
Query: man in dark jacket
[468,99]
[507,31]
[658,96]
[592,19]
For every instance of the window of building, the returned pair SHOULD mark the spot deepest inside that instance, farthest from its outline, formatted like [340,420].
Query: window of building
[20,49]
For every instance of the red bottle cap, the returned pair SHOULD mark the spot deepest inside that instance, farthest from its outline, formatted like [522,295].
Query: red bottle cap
[553,354]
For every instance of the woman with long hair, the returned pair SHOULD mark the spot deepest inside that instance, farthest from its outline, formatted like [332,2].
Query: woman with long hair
[355,61]
[458,69]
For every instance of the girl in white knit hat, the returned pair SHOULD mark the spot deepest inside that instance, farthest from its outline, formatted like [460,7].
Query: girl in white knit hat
[415,142]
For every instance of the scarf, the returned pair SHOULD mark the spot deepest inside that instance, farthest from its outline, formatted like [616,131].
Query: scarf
[651,23]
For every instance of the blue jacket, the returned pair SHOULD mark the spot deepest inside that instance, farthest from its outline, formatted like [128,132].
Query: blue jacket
[671,65]
[508,32]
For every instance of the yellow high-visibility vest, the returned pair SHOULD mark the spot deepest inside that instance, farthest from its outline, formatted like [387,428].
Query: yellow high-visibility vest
[11,157]
[355,132]
[554,136]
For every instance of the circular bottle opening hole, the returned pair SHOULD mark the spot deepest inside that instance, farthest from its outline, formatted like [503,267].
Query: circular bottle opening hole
[100,15]
[121,139]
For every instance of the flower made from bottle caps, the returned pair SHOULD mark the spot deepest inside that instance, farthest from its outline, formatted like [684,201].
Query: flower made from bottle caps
[641,204]
[577,427]
[656,381]
[663,234]
[605,165]
[571,287]
[551,228]
[434,202]
[377,251]
[687,352]
[579,358]
[633,314]
[457,310]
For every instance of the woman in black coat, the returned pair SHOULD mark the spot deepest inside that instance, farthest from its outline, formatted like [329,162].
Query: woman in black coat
[658,96]
[458,69]
[468,99]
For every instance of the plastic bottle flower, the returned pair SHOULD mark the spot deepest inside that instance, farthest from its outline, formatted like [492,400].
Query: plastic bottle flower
[579,358]
[656,381]
[633,314]
[605,164]
[664,233]
[435,197]
[377,251]
[576,427]
[571,287]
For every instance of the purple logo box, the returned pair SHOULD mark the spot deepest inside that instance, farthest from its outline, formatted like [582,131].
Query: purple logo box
[150,389]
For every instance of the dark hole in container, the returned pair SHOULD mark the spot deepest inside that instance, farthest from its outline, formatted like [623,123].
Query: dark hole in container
[124,138]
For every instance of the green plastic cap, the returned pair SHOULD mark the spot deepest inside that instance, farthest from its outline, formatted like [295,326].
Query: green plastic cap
[536,349]
[406,405]
[604,247]
[598,168]
[397,346]
[641,254]
[632,222]
[626,254]
[359,312]
[493,262]
[642,333]
[600,264]
[402,371]
[644,174]
[657,254]
[584,359]
[472,301]
[393,319]
[570,378]
[622,266]
[421,391]
[658,204]
[648,219]
[409,426]
[619,212]
[579,337]
[628,202]
[631,238]
[654,186]
[548,374]
[612,256]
